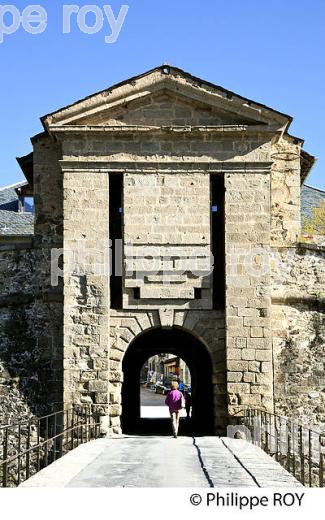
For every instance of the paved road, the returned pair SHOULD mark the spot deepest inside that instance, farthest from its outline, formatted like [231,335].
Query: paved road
[153,405]
[137,461]
[150,398]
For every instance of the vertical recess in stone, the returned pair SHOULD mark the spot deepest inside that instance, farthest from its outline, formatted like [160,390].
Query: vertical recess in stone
[218,239]
[115,233]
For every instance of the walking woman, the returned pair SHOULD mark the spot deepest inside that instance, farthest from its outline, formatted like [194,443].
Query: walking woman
[175,402]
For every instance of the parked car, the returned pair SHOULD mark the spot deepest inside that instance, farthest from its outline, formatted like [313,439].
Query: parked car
[160,388]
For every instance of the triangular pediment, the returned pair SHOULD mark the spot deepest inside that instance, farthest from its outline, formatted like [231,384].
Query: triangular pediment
[166,96]
[165,108]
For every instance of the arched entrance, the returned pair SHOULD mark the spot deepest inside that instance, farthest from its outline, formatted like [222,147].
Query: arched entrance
[180,343]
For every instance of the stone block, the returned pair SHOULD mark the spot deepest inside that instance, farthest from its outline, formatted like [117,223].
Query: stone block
[254,366]
[98,386]
[248,354]
[234,321]
[265,378]
[267,403]
[100,364]
[237,366]
[116,377]
[257,332]
[115,355]
[115,421]
[234,353]
[238,332]
[234,377]
[256,322]
[258,343]
[172,293]
[249,377]
[261,389]
[250,400]
[238,388]
[266,366]
[240,342]
[263,355]
[247,312]
[115,410]
[101,398]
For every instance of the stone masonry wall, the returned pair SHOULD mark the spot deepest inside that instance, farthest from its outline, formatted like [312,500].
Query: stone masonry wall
[299,361]
[30,325]
[31,353]
[48,190]
[162,109]
[285,192]
[298,329]
[187,146]
[86,289]
[247,235]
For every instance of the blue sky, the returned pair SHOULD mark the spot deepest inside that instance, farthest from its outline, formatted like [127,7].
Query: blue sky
[270,51]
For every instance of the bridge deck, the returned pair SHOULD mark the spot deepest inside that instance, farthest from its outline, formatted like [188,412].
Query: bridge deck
[138,461]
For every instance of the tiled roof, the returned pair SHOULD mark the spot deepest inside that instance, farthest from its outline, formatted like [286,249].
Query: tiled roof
[8,199]
[310,198]
[12,222]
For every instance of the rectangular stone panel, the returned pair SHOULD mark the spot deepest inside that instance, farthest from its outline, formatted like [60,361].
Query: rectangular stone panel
[169,252]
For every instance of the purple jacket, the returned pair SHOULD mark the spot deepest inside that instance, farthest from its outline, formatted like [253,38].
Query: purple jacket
[174,400]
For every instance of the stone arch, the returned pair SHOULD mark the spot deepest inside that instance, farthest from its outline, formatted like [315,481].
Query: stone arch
[180,342]
[205,327]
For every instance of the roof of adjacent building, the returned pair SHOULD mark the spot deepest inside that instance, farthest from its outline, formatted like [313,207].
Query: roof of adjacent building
[310,198]
[12,222]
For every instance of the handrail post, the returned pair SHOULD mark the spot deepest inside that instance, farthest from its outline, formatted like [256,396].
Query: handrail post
[5,458]
[293,430]
[278,433]
[55,439]
[65,431]
[310,457]
[72,430]
[288,450]
[267,432]
[302,455]
[321,461]
[46,436]
[19,455]
[28,453]
[38,445]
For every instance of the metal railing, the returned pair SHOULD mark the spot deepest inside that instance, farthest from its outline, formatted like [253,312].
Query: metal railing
[28,446]
[300,450]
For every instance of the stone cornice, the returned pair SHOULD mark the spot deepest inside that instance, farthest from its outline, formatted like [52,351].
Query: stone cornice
[58,130]
[165,167]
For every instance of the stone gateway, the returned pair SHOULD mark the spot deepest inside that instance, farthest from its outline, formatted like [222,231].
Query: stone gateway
[190,195]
